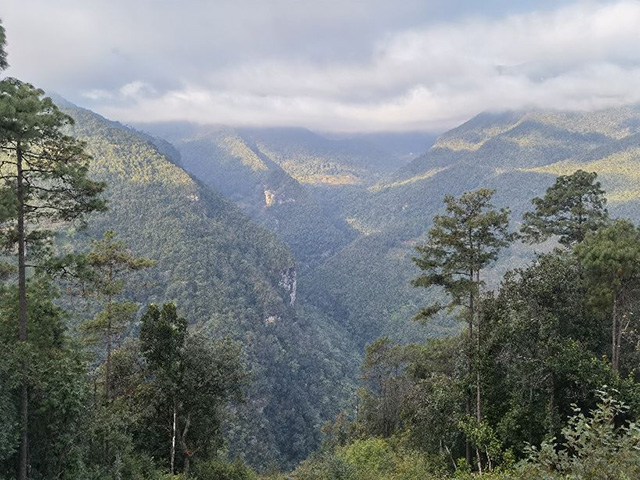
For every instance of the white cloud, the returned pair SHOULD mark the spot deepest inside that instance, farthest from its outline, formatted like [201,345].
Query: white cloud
[97,95]
[136,90]
[580,56]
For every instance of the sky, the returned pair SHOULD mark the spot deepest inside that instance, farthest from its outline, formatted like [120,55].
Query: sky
[326,65]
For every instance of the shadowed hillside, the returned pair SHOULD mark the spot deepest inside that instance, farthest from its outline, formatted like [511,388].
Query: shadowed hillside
[228,276]
[517,153]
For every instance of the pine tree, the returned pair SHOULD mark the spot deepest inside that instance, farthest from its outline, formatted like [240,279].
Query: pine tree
[3,52]
[460,245]
[109,263]
[44,173]
[611,261]
[571,207]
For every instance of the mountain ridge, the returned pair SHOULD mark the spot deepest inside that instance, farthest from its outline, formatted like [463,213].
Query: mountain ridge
[229,277]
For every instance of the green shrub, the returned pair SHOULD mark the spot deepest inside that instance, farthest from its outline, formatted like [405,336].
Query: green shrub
[219,469]
[594,447]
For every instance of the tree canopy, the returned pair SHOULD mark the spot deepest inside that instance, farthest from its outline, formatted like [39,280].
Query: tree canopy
[573,206]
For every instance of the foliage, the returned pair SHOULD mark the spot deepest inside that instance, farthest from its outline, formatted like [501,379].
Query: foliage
[371,459]
[382,399]
[594,447]
[537,361]
[226,273]
[104,270]
[56,378]
[461,244]
[192,381]
[611,261]
[53,166]
[572,207]
[221,469]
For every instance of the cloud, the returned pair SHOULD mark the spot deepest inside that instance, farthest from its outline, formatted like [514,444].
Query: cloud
[136,90]
[397,71]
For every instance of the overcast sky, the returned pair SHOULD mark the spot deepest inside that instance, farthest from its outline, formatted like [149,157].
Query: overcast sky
[332,65]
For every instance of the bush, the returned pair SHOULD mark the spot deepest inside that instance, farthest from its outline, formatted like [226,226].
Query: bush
[325,467]
[594,448]
[218,469]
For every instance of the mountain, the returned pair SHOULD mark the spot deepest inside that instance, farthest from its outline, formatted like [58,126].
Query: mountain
[517,153]
[232,162]
[228,276]
[379,206]
[510,150]
[316,159]
[300,185]
[300,246]
[291,180]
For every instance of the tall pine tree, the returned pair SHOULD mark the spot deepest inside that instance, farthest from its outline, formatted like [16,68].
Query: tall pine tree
[109,263]
[460,245]
[44,174]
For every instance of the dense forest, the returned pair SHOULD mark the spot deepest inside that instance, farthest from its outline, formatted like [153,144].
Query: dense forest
[217,303]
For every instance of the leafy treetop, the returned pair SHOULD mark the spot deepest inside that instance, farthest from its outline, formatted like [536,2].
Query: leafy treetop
[571,207]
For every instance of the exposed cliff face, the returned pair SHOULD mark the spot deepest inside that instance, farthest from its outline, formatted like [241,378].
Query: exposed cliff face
[269,197]
[289,281]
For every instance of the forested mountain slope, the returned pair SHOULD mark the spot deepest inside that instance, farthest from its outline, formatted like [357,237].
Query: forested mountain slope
[314,159]
[228,276]
[233,163]
[363,231]
[302,186]
[517,153]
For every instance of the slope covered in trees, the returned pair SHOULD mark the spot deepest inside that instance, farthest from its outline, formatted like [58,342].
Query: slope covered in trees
[543,383]
[519,154]
[351,236]
[301,186]
[230,277]
[234,164]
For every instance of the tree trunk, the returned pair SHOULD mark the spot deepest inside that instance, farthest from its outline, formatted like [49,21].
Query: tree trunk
[614,334]
[22,299]
[623,324]
[469,409]
[173,439]
[107,375]
[551,406]
[475,318]
[185,449]
[478,417]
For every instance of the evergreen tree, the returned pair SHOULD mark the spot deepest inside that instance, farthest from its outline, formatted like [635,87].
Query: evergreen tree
[45,175]
[611,261]
[162,338]
[460,245]
[571,207]
[58,388]
[107,265]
